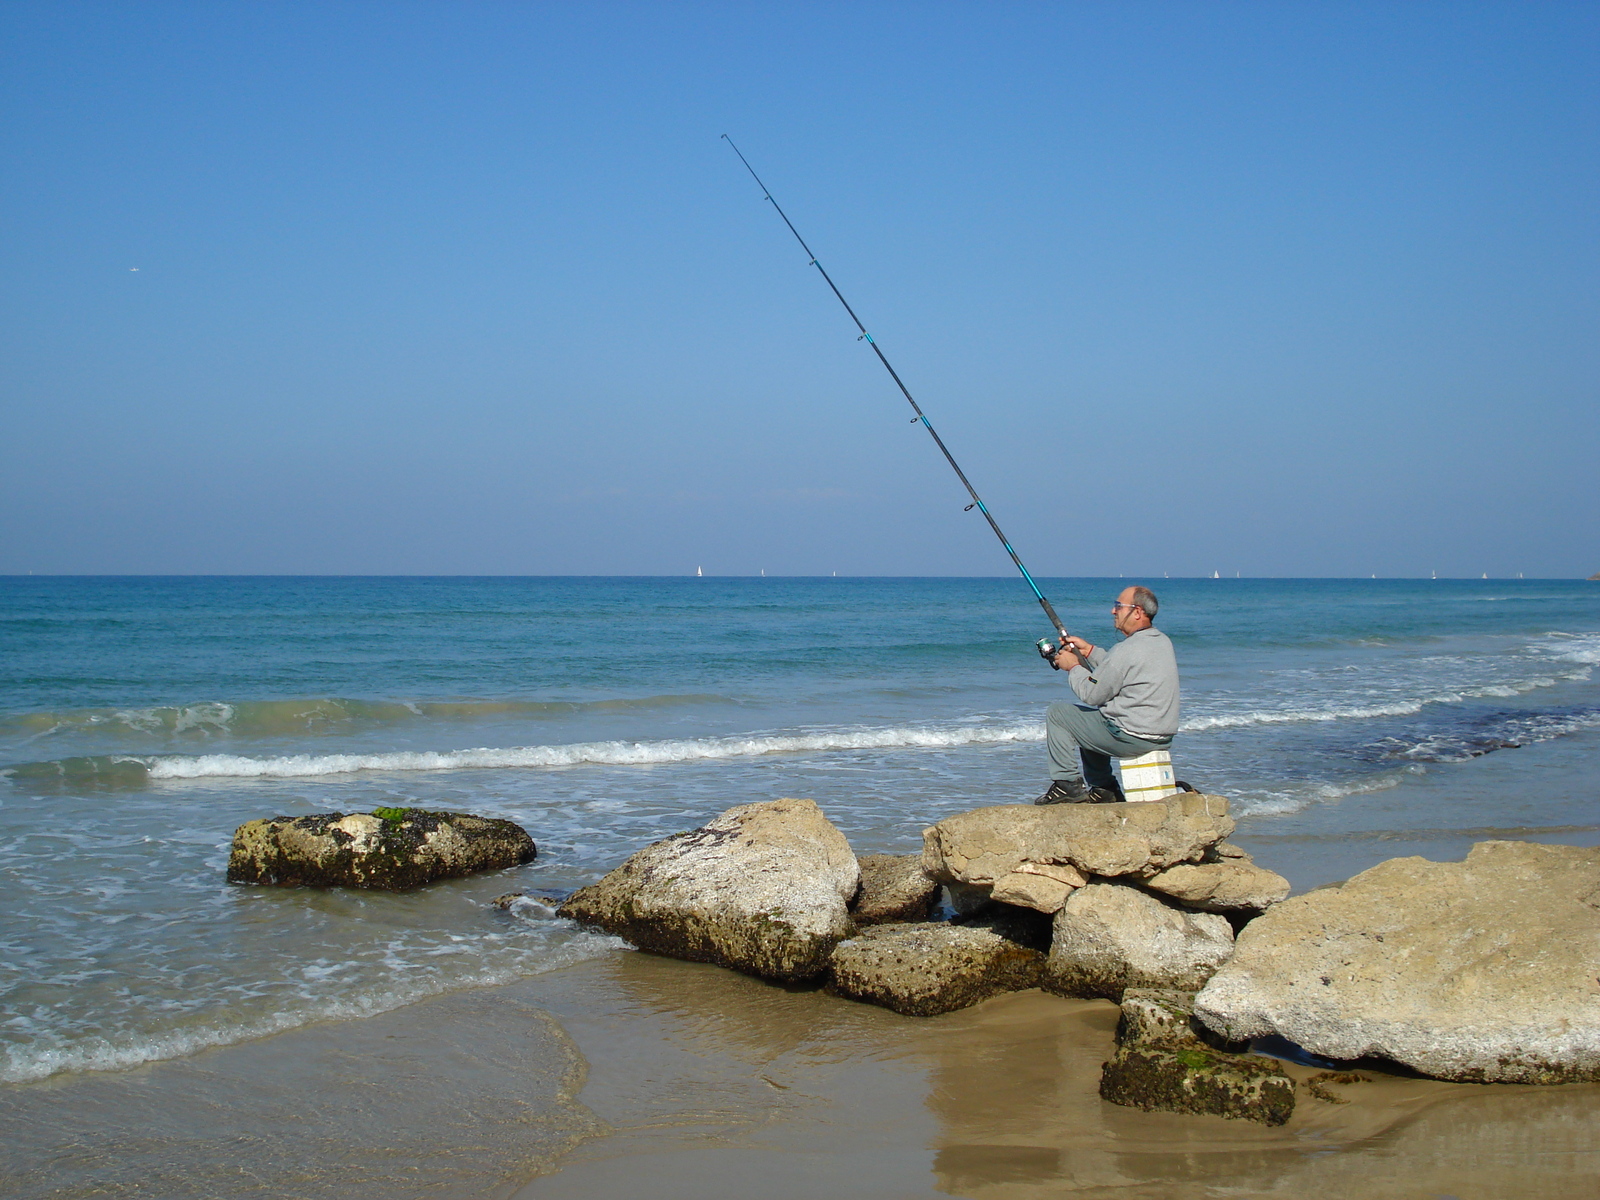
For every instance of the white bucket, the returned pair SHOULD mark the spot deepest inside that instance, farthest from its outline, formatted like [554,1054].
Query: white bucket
[1148,777]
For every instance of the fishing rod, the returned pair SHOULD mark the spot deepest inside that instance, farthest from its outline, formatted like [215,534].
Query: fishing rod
[977,501]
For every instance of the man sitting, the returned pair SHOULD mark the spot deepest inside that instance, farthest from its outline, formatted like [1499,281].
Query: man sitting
[1130,704]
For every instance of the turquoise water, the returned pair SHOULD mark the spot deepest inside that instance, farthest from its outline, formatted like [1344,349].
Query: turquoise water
[141,720]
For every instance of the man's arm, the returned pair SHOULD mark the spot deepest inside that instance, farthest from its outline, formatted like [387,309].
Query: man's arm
[1088,653]
[1100,680]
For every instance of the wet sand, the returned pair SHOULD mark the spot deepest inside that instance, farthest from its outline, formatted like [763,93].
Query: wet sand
[736,1088]
[638,1074]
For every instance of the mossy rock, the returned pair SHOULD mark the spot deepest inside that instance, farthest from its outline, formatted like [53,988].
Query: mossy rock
[1167,1060]
[1198,1079]
[390,849]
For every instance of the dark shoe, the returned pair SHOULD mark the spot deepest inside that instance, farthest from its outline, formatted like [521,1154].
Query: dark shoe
[1068,791]
[1113,793]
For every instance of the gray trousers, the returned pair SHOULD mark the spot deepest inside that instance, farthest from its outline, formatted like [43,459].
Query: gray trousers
[1075,731]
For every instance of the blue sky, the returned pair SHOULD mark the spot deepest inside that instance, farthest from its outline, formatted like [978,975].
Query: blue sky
[1283,289]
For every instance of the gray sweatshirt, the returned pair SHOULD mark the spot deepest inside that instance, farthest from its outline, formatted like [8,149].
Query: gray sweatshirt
[1135,683]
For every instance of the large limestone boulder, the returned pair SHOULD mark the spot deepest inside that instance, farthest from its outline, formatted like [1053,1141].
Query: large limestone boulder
[1231,885]
[926,969]
[1109,937]
[1043,887]
[987,844]
[763,889]
[1164,1062]
[391,849]
[894,888]
[1484,969]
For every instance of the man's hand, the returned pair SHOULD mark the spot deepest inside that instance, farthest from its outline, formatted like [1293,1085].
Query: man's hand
[1080,649]
[1065,659]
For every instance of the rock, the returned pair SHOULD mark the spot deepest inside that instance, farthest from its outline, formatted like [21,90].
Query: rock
[893,888]
[1317,1085]
[987,844]
[926,969]
[1225,850]
[1041,886]
[1232,885]
[1110,937]
[1162,1063]
[967,898]
[1481,970]
[392,849]
[763,889]
[1024,926]
[1156,1015]
[542,908]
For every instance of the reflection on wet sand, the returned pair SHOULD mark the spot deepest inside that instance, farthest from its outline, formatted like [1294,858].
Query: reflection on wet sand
[815,1096]
[714,1084]
[636,1074]
[1014,1086]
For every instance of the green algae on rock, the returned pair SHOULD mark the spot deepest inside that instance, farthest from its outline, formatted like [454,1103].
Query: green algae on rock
[387,850]
[1166,1060]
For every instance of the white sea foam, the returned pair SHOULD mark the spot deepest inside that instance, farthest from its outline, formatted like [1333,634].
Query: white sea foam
[232,766]
[1279,801]
[1400,707]
[1574,647]
[651,753]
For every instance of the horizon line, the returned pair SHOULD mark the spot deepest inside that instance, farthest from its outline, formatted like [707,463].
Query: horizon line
[1236,578]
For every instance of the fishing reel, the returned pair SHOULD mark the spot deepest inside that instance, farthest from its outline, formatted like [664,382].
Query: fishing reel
[1048,651]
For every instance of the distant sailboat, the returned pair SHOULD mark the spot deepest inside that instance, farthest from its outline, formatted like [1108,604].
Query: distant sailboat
[763,572]
[1436,574]
[1216,574]
[699,571]
[1486,574]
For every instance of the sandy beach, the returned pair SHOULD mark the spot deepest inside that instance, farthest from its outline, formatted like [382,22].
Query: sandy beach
[643,1074]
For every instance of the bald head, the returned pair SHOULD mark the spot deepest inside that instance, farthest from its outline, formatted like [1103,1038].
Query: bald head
[1136,609]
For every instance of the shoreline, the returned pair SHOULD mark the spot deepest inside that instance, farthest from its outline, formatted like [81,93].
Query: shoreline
[638,1071]
[632,1070]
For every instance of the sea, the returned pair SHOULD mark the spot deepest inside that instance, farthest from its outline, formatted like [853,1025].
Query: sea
[143,719]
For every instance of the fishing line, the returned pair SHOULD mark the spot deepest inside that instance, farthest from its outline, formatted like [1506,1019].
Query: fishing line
[977,501]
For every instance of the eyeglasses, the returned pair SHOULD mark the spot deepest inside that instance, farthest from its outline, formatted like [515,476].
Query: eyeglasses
[1119,604]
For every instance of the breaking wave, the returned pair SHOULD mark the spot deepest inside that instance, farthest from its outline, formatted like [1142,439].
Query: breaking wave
[1400,707]
[614,753]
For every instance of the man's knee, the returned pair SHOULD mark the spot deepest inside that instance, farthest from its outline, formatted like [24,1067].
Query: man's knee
[1062,712]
